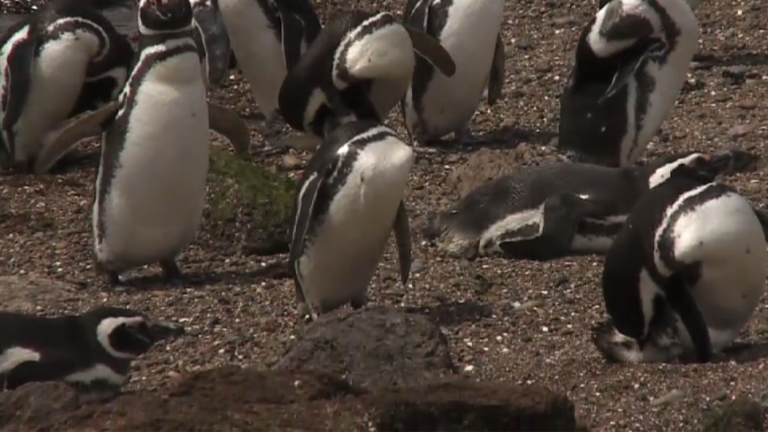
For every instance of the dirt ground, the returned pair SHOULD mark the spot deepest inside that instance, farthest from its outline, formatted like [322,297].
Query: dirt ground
[238,304]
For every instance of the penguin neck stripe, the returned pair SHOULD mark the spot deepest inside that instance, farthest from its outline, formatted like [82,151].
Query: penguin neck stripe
[105,329]
[70,25]
[144,30]
[376,23]
[378,133]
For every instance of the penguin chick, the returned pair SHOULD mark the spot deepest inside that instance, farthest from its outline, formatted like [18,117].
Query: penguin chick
[91,351]
[685,273]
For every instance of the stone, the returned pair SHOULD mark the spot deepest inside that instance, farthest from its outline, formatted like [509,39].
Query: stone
[373,348]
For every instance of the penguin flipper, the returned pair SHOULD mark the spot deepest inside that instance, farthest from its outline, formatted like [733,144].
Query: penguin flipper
[763,219]
[431,50]
[18,70]
[496,80]
[292,35]
[229,124]
[58,142]
[679,297]
[403,241]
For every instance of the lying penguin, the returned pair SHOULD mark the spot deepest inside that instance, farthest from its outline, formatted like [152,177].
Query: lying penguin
[470,30]
[685,273]
[45,60]
[91,351]
[268,37]
[630,65]
[360,60]
[350,197]
[150,188]
[552,211]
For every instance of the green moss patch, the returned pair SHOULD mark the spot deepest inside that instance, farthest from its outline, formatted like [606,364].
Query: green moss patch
[248,207]
[742,414]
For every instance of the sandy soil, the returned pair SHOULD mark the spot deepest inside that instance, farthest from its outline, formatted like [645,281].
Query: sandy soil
[238,306]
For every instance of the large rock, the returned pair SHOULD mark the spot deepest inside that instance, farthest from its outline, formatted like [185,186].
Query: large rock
[373,348]
[231,398]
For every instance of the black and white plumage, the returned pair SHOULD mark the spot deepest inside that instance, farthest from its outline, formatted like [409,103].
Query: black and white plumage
[92,351]
[268,37]
[350,197]
[551,211]
[685,273]
[212,39]
[47,61]
[630,65]
[361,62]
[436,105]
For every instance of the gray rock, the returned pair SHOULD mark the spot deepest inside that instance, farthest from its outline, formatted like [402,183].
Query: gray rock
[373,348]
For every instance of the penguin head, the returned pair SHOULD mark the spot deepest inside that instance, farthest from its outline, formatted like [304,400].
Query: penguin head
[212,38]
[706,167]
[164,16]
[126,334]
[661,345]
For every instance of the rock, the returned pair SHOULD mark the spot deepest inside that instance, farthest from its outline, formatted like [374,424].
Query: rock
[373,348]
[739,131]
[523,44]
[471,406]
[25,293]
[231,398]
[747,104]
[291,162]
[742,414]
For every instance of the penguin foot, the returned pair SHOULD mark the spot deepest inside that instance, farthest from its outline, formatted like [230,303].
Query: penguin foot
[171,270]
[112,278]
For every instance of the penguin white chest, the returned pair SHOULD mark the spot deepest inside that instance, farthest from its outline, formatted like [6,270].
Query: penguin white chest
[258,50]
[469,35]
[725,236]
[57,76]
[153,206]
[343,254]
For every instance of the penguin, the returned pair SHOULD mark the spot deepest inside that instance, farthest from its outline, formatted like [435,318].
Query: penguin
[470,30]
[685,273]
[91,351]
[631,63]
[552,211]
[150,187]
[44,60]
[212,40]
[268,37]
[350,197]
[361,61]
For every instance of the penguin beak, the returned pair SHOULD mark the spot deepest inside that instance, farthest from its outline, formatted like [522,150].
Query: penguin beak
[215,39]
[730,162]
[162,330]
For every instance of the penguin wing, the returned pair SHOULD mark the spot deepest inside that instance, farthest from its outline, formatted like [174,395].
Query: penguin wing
[678,295]
[431,50]
[17,72]
[305,12]
[229,124]
[403,241]
[305,205]
[417,13]
[763,219]
[496,80]
[58,142]
[292,35]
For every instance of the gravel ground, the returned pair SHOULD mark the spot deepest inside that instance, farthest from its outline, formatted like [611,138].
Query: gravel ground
[238,312]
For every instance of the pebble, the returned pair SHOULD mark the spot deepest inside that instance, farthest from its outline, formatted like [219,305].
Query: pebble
[739,131]
[747,104]
[523,44]
[290,163]
[671,397]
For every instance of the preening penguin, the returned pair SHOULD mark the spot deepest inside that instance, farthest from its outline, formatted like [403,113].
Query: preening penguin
[91,351]
[436,105]
[350,198]
[44,61]
[630,65]
[150,188]
[268,37]
[362,61]
[685,273]
[551,211]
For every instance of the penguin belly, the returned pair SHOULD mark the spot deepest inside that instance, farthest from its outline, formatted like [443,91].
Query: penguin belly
[57,76]
[469,36]
[154,204]
[347,247]
[731,248]
[259,52]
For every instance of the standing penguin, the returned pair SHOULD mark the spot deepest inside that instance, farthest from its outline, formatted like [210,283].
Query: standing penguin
[630,65]
[150,189]
[685,273]
[44,61]
[436,105]
[361,61]
[91,351]
[349,199]
[552,211]
[268,37]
